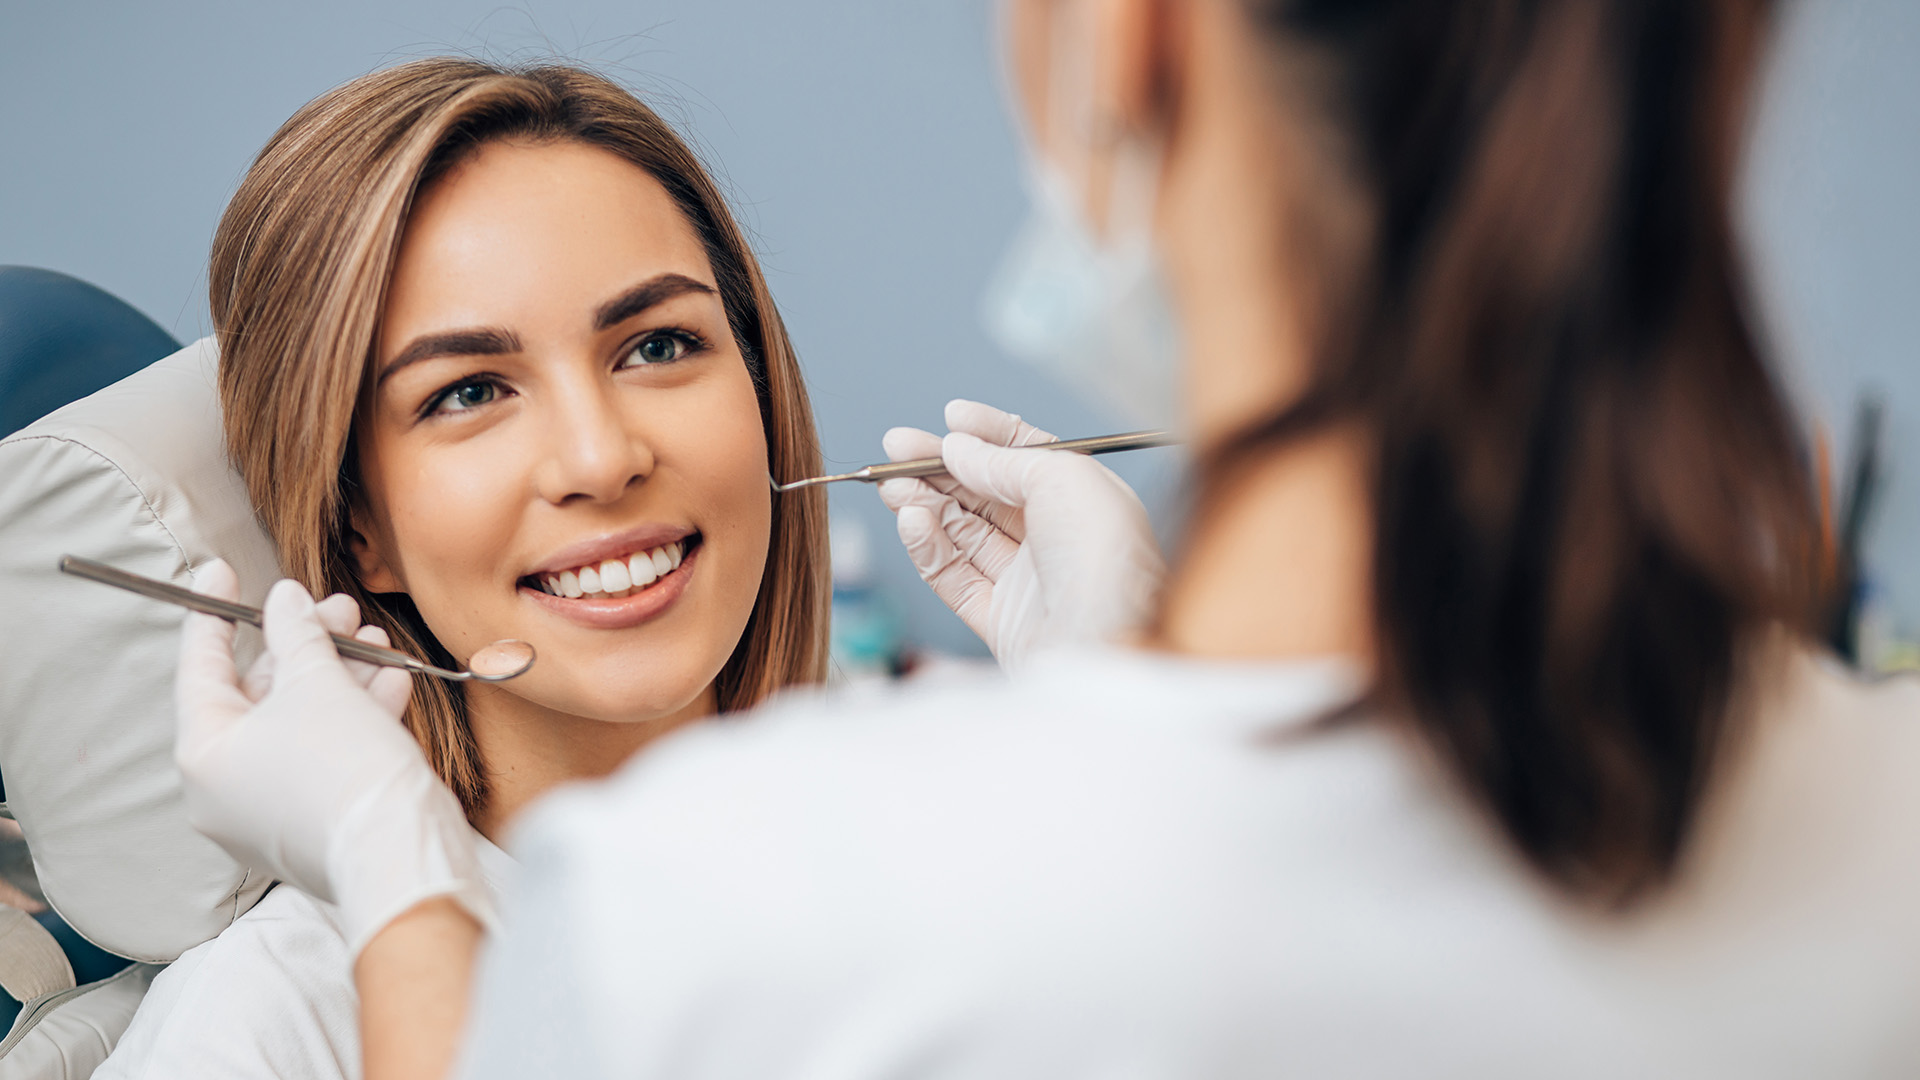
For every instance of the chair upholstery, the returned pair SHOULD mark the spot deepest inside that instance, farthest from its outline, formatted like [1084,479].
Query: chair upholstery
[61,339]
[135,475]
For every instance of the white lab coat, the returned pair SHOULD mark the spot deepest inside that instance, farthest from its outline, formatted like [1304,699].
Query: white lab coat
[271,997]
[1125,865]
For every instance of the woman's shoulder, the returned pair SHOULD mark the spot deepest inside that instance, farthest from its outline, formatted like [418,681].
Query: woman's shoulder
[1816,790]
[1822,744]
[272,995]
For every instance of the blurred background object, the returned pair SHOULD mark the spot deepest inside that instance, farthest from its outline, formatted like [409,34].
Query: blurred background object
[866,147]
[1856,599]
[866,641]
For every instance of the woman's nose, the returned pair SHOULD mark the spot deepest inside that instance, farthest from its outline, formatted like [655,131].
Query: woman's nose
[596,452]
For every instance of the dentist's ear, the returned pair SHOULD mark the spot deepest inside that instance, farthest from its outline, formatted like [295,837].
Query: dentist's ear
[367,544]
[1026,36]
[1092,77]
[1137,48]
[1134,46]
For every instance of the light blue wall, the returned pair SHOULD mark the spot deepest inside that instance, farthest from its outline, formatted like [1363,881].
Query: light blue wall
[1833,205]
[864,144]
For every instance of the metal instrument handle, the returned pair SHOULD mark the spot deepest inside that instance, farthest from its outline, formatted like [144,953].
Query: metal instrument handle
[1097,444]
[228,610]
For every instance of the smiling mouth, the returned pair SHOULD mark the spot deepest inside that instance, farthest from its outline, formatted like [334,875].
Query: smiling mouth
[611,579]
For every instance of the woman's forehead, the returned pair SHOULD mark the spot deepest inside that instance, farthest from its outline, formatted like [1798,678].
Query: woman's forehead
[521,224]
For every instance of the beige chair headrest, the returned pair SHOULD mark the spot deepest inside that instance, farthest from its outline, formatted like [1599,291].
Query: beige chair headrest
[137,476]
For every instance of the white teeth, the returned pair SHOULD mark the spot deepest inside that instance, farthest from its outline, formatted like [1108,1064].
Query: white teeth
[640,566]
[614,577]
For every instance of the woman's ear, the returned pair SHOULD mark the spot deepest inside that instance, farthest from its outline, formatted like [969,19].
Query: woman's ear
[367,545]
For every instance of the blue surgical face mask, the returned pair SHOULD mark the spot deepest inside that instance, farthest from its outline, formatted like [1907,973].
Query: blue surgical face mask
[1087,305]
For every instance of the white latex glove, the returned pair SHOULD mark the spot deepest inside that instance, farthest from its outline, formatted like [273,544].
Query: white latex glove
[304,768]
[1031,548]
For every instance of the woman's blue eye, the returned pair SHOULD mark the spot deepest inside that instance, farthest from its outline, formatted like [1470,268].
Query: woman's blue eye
[659,349]
[467,395]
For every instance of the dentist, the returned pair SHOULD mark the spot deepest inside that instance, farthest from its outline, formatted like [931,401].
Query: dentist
[1475,731]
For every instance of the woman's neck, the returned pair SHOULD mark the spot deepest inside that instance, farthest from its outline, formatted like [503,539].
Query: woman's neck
[1280,563]
[526,749]
[1261,231]
[1281,566]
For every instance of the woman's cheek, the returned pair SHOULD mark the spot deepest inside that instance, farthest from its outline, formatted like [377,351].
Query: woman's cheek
[736,471]
[467,501]
[455,517]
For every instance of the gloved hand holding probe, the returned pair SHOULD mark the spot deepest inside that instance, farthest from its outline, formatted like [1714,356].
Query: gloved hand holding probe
[1031,550]
[303,767]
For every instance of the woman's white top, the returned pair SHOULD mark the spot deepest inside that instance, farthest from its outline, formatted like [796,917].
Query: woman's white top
[271,997]
[1124,865]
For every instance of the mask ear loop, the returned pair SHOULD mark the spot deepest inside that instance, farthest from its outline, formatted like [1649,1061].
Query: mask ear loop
[1078,293]
[1143,311]
[1133,194]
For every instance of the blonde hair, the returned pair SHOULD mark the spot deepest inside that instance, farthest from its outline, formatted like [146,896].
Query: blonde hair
[298,281]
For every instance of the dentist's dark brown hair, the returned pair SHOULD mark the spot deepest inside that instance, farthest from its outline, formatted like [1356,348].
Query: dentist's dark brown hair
[1589,504]
[298,281]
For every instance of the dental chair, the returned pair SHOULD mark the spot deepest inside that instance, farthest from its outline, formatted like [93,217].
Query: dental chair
[136,475]
[61,339]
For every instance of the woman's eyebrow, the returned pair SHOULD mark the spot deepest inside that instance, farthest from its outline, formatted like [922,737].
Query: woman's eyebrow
[491,341]
[485,341]
[643,296]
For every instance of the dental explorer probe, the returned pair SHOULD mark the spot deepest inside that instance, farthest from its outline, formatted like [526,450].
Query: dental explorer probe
[497,662]
[933,466]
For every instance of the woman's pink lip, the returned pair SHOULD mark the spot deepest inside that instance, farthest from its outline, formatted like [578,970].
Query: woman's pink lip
[625,611]
[617,546]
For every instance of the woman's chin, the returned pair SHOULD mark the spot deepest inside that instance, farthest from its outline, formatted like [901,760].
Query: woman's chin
[617,697]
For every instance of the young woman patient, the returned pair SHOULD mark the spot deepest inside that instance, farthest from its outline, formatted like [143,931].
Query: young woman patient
[496,362]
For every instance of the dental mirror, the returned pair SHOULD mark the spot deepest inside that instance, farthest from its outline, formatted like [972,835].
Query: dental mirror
[501,660]
[498,662]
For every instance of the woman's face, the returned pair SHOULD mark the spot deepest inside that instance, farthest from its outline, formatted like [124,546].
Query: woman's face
[563,443]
